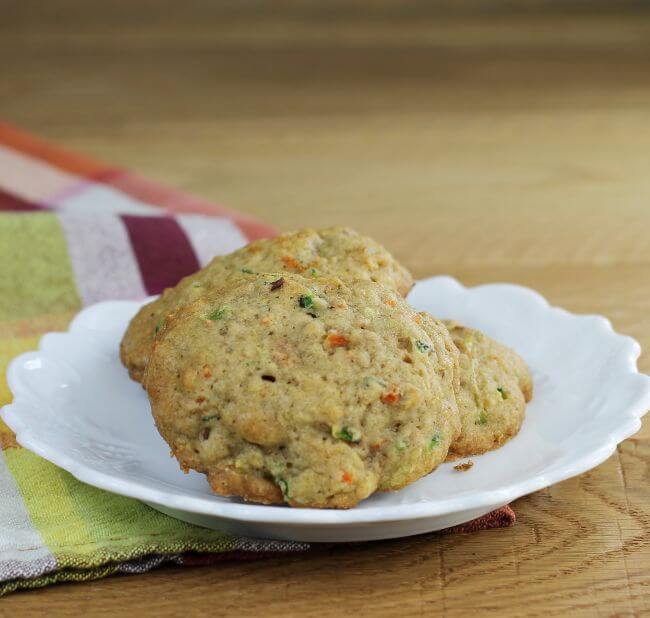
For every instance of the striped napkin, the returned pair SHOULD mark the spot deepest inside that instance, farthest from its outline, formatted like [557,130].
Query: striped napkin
[74,231]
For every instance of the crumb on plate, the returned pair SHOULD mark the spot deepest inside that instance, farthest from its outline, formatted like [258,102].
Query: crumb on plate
[465,466]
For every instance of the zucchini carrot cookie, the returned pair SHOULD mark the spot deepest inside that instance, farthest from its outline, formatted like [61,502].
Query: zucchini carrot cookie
[495,385]
[334,251]
[310,392]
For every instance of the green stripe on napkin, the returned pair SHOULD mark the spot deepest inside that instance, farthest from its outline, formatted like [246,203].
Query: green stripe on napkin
[85,527]
[37,275]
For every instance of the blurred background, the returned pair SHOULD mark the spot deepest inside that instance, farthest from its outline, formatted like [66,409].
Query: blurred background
[465,135]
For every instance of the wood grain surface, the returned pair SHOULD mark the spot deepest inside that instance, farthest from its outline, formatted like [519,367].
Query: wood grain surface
[494,143]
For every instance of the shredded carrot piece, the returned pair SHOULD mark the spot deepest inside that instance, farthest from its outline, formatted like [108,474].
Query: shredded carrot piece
[207,372]
[390,398]
[391,302]
[200,399]
[347,477]
[291,262]
[377,445]
[280,356]
[266,320]
[417,319]
[336,340]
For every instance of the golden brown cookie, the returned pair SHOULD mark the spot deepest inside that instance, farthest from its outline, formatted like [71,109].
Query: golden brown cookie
[334,251]
[311,392]
[495,385]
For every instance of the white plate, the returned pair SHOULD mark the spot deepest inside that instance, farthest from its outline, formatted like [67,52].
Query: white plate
[75,406]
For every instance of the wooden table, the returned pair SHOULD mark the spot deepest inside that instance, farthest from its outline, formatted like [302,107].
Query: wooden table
[489,145]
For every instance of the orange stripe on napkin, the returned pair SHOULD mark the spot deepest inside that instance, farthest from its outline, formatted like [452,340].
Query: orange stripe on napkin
[38,148]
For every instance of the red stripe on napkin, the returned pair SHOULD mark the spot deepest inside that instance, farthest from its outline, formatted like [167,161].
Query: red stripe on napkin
[9,202]
[178,202]
[162,249]
[503,517]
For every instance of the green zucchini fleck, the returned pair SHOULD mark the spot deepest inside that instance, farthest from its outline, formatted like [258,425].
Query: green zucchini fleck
[248,271]
[205,419]
[422,346]
[482,419]
[217,314]
[349,434]
[504,393]
[435,440]
[306,301]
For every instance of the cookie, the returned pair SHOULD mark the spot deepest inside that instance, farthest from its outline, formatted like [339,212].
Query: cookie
[495,385]
[312,392]
[334,251]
